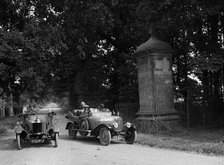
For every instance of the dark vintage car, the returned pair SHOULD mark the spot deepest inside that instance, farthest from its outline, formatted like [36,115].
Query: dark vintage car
[36,128]
[102,124]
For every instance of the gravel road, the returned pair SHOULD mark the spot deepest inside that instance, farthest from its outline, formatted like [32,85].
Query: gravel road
[88,151]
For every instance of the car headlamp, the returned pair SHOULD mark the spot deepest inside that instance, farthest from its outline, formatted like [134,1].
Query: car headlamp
[115,125]
[128,125]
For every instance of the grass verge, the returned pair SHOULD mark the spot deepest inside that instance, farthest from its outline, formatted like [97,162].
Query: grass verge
[7,124]
[208,142]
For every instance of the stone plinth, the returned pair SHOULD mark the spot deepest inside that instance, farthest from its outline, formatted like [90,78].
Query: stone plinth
[154,61]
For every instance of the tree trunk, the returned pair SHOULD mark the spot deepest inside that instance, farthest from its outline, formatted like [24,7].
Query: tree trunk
[206,97]
[10,102]
[11,113]
[213,47]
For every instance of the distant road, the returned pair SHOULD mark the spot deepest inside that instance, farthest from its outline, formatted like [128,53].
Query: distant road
[51,107]
[88,151]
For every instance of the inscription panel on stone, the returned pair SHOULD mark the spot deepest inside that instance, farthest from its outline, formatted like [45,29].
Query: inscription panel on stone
[162,67]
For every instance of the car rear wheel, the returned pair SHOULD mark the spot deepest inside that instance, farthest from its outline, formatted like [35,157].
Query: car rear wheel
[56,139]
[130,137]
[71,132]
[18,141]
[84,125]
[105,136]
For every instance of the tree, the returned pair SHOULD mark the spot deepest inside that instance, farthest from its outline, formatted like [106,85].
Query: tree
[84,49]
[28,44]
[98,41]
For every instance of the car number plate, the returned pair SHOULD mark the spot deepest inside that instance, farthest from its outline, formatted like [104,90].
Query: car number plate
[117,137]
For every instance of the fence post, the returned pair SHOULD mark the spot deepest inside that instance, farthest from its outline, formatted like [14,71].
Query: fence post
[188,112]
[203,113]
[2,107]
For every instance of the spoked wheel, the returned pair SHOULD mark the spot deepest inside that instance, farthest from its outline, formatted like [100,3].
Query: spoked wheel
[105,136]
[71,132]
[84,125]
[18,141]
[56,140]
[130,136]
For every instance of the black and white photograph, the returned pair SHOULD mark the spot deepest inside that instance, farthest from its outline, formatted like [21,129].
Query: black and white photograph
[111,82]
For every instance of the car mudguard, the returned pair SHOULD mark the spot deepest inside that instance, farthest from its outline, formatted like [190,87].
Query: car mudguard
[56,128]
[19,129]
[69,123]
[97,129]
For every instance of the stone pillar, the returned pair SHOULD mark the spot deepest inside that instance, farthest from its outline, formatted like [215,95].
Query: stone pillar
[154,62]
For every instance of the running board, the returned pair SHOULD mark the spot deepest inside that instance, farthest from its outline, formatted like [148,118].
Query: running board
[81,130]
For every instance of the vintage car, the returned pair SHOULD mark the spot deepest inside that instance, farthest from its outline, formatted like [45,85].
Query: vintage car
[103,124]
[36,128]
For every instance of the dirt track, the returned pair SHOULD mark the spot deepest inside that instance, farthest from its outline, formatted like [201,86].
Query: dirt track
[88,151]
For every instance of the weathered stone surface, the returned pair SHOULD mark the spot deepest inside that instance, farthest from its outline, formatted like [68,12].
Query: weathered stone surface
[154,45]
[154,125]
[154,61]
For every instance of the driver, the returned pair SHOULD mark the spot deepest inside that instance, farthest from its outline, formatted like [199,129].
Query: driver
[85,109]
[84,106]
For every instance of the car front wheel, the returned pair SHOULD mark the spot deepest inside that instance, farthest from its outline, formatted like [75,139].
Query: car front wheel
[130,137]
[105,136]
[71,132]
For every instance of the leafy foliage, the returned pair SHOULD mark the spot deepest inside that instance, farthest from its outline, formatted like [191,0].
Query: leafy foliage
[84,49]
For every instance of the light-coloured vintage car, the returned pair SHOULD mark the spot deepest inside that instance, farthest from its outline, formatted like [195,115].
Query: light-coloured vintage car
[102,124]
[36,128]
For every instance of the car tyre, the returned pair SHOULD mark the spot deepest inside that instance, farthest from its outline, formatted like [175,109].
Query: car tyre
[105,136]
[71,132]
[130,137]
[18,141]
[56,140]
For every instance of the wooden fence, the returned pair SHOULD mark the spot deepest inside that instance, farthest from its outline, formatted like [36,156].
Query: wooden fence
[191,114]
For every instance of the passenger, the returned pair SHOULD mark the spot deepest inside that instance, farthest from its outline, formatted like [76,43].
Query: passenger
[25,108]
[102,108]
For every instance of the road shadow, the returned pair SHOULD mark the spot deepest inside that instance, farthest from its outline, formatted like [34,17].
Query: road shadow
[90,140]
[46,144]
[87,140]
[10,144]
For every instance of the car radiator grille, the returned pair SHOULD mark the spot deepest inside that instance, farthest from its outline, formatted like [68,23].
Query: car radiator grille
[120,124]
[37,127]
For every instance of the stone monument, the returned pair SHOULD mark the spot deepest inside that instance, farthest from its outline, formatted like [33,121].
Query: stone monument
[154,62]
